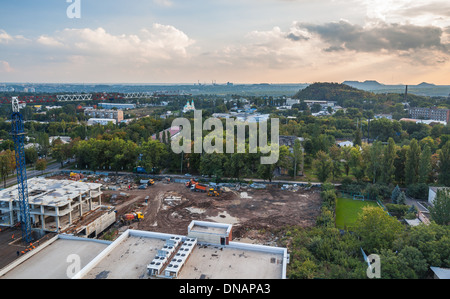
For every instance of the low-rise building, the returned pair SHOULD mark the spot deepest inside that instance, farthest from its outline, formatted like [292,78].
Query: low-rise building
[430,113]
[105,113]
[101,121]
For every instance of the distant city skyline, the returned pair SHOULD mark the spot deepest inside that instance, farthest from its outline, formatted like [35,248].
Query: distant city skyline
[244,42]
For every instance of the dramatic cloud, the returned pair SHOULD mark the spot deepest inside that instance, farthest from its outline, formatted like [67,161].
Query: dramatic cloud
[384,37]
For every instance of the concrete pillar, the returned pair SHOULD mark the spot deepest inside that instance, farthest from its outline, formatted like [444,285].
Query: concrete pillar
[99,197]
[11,213]
[70,213]
[57,218]
[42,222]
[81,205]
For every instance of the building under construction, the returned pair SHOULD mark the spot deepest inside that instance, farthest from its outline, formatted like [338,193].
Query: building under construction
[59,206]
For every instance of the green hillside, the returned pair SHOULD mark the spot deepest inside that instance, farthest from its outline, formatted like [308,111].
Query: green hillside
[333,92]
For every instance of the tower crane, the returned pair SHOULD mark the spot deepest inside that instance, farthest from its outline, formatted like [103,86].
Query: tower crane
[18,135]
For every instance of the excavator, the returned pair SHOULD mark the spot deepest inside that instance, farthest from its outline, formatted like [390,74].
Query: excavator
[214,191]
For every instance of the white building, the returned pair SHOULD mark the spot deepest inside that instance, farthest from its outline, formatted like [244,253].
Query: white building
[432,191]
[101,121]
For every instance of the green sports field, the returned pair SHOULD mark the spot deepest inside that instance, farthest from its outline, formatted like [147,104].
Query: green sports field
[347,211]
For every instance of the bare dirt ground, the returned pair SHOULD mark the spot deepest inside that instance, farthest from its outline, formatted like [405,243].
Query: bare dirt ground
[254,213]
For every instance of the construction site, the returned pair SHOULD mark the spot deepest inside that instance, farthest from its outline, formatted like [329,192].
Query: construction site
[168,206]
[104,207]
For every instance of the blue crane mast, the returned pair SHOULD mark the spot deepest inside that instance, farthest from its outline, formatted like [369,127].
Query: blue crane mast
[18,135]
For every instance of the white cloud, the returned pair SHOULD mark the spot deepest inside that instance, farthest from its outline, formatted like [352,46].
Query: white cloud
[5,67]
[159,42]
[49,41]
[5,37]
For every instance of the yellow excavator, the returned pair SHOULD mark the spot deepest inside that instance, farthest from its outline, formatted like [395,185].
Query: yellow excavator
[214,191]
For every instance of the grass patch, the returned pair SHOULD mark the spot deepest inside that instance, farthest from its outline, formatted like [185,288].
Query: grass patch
[347,211]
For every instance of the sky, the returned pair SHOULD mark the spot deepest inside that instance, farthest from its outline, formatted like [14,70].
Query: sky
[239,41]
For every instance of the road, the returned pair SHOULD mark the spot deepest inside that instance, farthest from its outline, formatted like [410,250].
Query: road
[33,173]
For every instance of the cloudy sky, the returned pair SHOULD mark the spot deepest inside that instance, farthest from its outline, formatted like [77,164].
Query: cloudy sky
[241,41]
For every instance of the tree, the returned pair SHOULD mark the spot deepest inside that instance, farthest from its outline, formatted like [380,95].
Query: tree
[358,136]
[412,163]
[6,164]
[212,164]
[236,166]
[336,165]
[444,165]
[440,211]
[154,154]
[401,199]
[425,164]
[399,164]
[322,166]
[346,156]
[387,173]
[265,171]
[61,152]
[395,193]
[44,144]
[41,165]
[377,229]
[31,155]
[375,156]
[298,157]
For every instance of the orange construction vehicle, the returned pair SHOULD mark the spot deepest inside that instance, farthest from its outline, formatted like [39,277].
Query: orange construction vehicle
[191,183]
[199,188]
[132,217]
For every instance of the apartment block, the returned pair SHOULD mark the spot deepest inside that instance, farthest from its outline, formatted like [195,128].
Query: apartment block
[105,114]
[430,113]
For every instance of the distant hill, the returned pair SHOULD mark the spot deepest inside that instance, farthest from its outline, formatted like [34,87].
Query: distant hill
[366,85]
[425,84]
[333,92]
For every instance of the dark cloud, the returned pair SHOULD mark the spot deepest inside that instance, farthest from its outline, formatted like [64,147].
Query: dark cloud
[391,37]
[295,37]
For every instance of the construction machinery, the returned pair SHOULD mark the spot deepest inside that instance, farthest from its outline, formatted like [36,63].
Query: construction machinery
[151,182]
[199,188]
[132,217]
[18,135]
[214,191]
[191,183]
[76,176]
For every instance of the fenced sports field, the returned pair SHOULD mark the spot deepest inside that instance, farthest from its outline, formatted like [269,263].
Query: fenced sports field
[347,210]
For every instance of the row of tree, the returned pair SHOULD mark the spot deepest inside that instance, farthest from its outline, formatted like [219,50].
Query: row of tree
[386,163]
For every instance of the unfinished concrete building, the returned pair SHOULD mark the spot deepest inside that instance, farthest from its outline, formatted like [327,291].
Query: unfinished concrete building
[57,205]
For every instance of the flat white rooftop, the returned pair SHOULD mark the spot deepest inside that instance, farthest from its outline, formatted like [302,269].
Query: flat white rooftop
[130,254]
[53,260]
